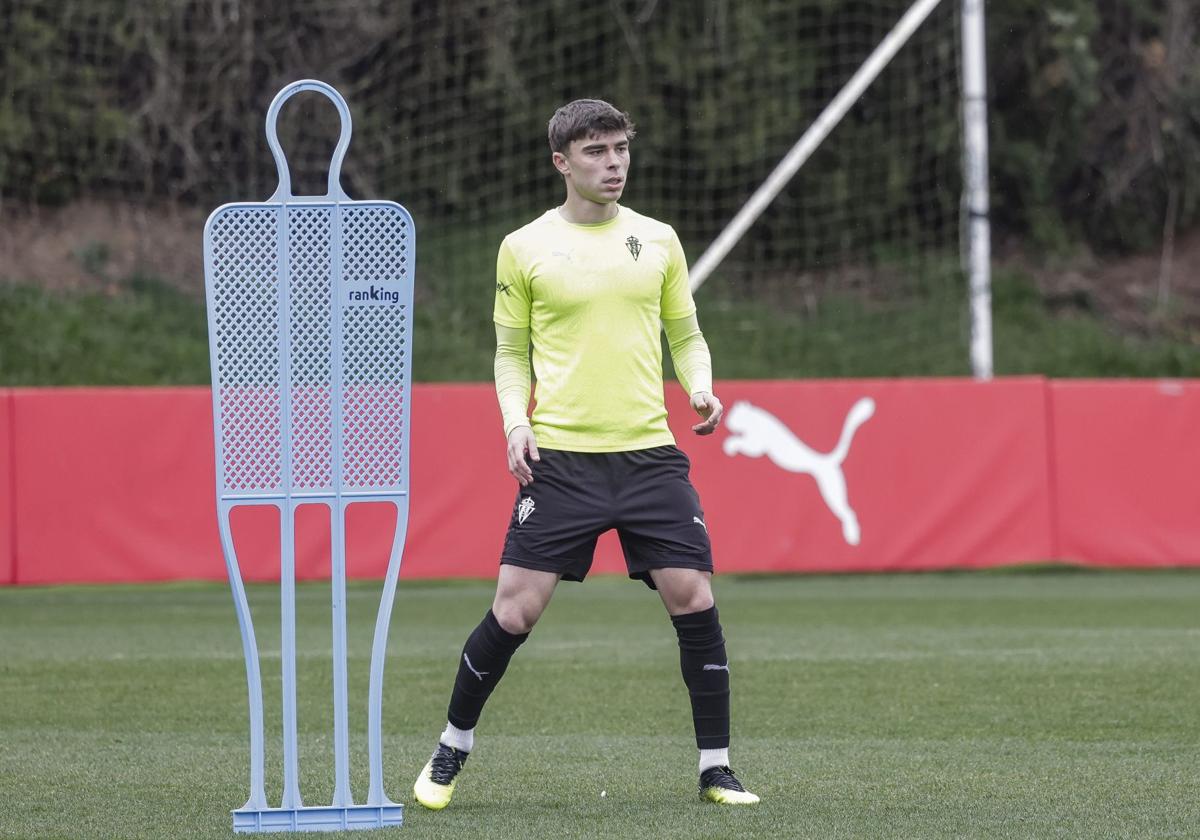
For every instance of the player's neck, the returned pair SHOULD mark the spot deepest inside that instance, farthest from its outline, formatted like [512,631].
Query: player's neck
[579,211]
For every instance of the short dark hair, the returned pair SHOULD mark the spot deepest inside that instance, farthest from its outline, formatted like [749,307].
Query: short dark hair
[586,118]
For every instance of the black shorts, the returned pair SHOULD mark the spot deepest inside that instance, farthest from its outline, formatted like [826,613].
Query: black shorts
[577,496]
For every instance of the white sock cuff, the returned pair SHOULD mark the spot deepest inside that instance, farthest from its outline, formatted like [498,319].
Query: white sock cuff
[460,739]
[714,758]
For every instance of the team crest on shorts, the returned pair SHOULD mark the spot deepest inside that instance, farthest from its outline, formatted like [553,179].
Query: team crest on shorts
[524,509]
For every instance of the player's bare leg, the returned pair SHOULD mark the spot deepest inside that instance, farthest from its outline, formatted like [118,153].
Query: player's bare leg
[521,597]
[687,595]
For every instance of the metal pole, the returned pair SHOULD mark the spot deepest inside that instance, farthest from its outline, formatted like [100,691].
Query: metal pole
[976,201]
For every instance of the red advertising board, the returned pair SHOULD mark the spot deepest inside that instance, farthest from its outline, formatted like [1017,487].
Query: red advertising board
[830,476]
[871,475]
[112,485]
[1127,472]
[8,559]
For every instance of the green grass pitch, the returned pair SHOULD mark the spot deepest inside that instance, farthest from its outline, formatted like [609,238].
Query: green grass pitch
[974,705]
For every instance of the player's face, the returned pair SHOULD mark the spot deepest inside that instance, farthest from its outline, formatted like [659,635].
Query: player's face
[596,167]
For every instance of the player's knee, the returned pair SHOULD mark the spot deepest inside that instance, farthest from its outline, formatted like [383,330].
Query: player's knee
[515,618]
[693,600]
[683,591]
[698,602]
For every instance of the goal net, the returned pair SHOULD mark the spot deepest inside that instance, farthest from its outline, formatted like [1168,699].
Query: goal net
[853,270]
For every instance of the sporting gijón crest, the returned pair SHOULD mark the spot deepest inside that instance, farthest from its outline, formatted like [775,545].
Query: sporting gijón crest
[524,509]
[634,246]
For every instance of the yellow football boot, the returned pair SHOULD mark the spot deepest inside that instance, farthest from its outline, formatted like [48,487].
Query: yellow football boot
[718,784]
[435,785]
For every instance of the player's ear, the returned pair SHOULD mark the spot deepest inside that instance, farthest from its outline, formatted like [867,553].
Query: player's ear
[560,163]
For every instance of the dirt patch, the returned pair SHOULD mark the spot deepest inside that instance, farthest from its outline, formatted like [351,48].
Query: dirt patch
[1141,295]
[93,245]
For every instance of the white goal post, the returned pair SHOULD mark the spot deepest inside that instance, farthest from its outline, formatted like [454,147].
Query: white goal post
[976,227]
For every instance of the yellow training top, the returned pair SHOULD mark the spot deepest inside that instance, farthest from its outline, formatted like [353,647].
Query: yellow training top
[592,297]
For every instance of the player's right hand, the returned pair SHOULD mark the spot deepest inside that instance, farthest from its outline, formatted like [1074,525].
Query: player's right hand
[521,442]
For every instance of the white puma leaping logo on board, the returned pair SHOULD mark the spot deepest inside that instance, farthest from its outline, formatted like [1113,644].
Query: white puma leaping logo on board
[756,432]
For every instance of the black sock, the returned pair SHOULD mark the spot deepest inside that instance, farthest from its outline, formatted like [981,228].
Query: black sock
[705,670]
[482,664]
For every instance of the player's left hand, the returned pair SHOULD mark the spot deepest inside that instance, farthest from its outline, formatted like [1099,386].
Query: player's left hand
[708,407]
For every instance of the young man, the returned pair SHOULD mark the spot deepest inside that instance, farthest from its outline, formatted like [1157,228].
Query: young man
[588,284]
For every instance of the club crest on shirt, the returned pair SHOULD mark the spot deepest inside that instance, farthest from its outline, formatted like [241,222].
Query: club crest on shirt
[524,509]
[634,246]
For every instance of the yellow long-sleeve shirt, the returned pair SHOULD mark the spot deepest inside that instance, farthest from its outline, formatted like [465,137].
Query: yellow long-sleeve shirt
[591,298]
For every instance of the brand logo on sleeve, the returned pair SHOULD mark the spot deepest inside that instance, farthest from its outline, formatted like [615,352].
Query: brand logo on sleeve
[634,246]
[502,288]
